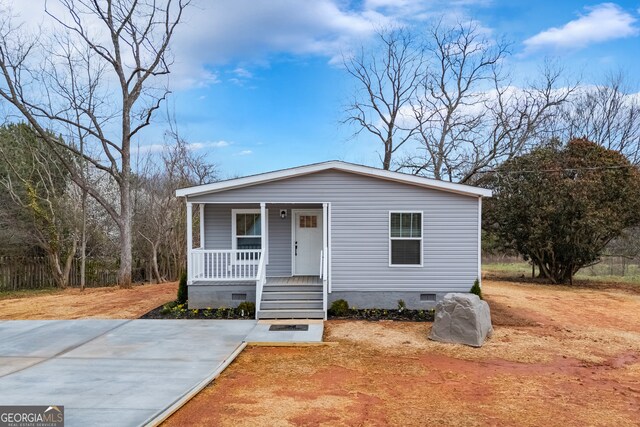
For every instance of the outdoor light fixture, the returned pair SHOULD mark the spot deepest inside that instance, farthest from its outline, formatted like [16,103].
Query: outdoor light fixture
[283,214]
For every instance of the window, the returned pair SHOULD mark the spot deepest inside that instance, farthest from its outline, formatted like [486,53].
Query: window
[405,239]
[246,231]
[308,221]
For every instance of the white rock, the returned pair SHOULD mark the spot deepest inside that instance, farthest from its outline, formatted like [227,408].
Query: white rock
[463,319]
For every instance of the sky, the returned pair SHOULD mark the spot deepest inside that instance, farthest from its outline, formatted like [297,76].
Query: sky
[258,85]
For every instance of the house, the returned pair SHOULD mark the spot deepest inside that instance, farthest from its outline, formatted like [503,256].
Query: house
[295,240]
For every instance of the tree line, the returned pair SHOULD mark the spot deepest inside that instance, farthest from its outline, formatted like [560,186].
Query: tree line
[438,100]
[44,215]
[562,157]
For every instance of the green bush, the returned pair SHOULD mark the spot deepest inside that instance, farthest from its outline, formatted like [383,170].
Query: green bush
[246,308]
[475,289]
[182,289]
[168,307]
[401,305]
[339,308]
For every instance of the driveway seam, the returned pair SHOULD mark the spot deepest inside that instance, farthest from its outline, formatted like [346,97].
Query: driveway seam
[66,350]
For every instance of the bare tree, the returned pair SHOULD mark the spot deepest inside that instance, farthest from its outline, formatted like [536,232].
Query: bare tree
[608,114]
[386,78]
[469,117]
[65,83]
[44,196]
[160,215]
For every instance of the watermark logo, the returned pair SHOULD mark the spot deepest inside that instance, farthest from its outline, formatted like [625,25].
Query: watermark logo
[32,416]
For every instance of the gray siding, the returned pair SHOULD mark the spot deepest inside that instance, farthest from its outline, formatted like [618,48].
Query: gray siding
[218,233]
[360,230]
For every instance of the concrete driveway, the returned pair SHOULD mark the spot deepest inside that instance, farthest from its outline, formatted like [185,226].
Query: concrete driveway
[112,372]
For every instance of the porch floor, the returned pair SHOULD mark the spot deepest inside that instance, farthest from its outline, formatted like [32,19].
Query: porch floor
[294,280]
[279,281]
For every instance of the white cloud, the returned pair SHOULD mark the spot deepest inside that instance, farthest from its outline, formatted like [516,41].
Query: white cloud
[228,31]
[150,148]
[603,22]
[243,33]
[245,153]
[243,73]
[194,146]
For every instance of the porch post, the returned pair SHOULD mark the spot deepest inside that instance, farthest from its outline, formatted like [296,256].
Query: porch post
[325,256]
[189,240]
[263,231]
[201,225]
[325,227]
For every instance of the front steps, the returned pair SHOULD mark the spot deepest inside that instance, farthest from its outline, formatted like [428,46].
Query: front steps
[291,301]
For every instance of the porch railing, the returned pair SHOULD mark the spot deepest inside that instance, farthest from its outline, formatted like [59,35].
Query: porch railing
[224,265]
[261,280]
[324,270]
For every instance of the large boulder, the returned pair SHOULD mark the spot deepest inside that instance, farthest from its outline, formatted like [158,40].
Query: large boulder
[463,319]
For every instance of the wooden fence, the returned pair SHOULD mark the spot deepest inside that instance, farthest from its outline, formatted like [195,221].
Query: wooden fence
[35,273]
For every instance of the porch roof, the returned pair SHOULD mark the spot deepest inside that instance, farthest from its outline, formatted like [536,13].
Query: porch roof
[336,165]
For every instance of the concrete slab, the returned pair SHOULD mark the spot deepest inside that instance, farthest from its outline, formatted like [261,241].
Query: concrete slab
[112,372]
[50,337]
[179,340]
[14,364]
[262,334]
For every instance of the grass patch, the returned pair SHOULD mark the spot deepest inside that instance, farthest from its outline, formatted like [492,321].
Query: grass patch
[598,273]
[27,293]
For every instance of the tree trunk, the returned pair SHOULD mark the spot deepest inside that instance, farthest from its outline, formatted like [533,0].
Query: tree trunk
[154,262]
[56,270]
[386,162]
[69,263]
[124,273]
[83,244]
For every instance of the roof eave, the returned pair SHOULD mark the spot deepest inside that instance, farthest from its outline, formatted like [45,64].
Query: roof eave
[462,189]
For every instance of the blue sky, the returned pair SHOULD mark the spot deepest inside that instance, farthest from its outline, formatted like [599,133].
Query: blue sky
[257,84]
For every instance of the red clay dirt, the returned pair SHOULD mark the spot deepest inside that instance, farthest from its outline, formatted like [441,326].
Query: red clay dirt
[105,303]
[559,356]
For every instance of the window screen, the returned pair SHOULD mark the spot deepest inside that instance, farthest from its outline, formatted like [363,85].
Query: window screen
[405,233]
[248,233]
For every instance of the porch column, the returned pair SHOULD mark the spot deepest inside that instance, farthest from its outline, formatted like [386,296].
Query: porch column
[201,225]
[325,228]
[189,240]
[325,256]
[263,231]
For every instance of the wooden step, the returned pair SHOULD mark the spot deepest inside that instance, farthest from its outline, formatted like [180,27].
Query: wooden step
[291,305]
[291,314]
[292,288]
[278,295]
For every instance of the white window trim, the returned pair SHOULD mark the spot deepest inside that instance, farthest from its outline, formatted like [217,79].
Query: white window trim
[234,236]
[421,238]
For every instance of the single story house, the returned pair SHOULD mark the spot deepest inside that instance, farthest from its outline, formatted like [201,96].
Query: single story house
[295,240]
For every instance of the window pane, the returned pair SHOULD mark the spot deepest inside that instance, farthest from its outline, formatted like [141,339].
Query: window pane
[416,225]
[406,225]
[248,243]
[395,225]
[240,225]
[308,221]
[405,252]
[248,224]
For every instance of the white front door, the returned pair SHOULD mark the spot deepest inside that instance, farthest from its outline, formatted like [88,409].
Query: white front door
[307,242]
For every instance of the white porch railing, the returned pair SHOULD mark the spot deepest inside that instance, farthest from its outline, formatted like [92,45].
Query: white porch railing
[324,266]
[225,265]
[261,280]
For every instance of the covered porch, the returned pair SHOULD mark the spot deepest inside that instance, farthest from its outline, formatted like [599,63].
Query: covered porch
[281,249]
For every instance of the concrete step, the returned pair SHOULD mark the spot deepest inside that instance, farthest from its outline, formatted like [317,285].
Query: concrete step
[291,314]
[292,288]
[291,305]
[278,295]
